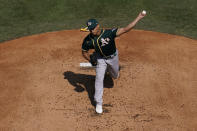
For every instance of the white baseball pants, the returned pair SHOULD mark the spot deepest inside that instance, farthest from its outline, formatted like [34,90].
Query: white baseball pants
[112,66]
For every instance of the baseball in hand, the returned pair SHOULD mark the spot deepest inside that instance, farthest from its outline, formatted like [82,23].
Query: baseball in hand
[143,12]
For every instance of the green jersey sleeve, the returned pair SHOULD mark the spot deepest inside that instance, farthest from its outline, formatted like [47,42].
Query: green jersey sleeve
[113,31]
[87,44]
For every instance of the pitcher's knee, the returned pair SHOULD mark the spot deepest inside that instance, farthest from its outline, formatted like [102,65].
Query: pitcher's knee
[116,76]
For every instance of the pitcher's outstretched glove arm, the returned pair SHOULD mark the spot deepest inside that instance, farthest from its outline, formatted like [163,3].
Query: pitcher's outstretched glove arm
[93,60]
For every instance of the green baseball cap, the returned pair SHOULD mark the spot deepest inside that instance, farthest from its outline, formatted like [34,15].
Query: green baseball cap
[92,23]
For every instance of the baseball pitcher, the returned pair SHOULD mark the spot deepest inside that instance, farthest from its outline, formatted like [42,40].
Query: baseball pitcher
[105,57]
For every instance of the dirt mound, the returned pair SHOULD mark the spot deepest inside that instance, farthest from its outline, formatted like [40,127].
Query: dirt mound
[43,88]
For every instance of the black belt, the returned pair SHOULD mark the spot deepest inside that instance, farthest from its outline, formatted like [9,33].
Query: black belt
[110,56]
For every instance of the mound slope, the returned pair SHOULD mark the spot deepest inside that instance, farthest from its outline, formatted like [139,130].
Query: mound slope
[43,88]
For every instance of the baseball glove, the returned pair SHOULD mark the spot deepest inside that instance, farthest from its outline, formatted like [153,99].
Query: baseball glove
[93,59]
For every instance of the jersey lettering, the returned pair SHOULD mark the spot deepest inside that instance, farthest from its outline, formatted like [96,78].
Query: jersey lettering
[105,41]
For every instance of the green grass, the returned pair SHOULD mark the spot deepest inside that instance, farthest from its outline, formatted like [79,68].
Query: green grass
[26,17]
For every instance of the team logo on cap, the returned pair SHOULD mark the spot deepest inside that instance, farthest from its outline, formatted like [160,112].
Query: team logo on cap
[89,23]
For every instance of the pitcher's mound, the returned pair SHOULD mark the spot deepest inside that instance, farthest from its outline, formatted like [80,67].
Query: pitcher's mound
[42,86]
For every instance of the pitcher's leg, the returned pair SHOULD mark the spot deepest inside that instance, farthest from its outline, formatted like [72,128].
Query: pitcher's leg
[100,73]
[113,66]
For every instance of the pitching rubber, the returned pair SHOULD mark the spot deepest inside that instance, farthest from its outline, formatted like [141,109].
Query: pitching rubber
[85,65]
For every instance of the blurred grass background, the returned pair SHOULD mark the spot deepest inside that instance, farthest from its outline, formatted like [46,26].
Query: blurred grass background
[26,17]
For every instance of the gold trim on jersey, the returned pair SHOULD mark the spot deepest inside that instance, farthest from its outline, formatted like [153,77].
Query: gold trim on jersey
[98,43]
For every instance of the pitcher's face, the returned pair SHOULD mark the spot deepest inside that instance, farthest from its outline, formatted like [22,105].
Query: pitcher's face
[96,30]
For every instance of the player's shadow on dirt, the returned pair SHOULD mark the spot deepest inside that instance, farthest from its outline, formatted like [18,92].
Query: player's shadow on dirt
[83,82]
